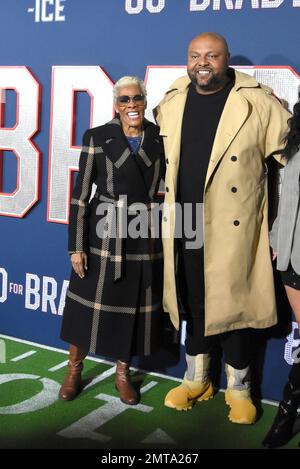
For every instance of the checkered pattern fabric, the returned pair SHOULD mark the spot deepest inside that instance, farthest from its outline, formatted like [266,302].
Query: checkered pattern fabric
[115,310]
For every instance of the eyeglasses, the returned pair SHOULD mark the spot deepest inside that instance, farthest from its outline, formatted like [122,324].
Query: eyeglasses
[138,99]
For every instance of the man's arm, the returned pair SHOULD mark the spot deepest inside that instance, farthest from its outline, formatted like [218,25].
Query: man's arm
[276,130]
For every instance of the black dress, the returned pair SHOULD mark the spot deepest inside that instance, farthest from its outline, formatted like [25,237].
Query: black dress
[115,310]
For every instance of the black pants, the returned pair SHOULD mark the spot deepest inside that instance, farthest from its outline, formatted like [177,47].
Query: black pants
[236,345]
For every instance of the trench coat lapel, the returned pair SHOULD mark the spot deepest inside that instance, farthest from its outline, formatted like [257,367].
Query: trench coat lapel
[232,119]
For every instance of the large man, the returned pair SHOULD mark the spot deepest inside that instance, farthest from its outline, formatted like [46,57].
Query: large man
[219,126]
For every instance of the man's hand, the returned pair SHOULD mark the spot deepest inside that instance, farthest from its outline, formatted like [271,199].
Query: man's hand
[79,263]
[274,255]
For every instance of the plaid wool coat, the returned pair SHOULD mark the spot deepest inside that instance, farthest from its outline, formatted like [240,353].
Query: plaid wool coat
[115,310]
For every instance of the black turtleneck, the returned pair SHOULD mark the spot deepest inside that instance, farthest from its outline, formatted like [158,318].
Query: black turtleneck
[200,121]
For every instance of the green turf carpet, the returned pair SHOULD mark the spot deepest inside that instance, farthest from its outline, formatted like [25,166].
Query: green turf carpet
[31,416]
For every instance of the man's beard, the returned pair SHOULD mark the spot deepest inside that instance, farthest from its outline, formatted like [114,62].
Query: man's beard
[214,83]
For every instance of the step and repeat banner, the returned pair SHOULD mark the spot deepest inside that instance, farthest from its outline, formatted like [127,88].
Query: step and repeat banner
[58,62]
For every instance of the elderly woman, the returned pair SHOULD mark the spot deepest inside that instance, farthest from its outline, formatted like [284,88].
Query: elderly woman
[285,241]
[113,305]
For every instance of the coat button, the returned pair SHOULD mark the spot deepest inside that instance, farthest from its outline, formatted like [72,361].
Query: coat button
[167,189]
[165,219]
[233,189]
[236,223]
[233,158]
[167,161]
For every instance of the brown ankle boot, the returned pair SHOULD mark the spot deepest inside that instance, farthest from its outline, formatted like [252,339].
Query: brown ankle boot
[72,384]
[128,394]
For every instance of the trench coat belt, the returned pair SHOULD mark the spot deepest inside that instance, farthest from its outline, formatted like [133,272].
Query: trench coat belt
[116,242]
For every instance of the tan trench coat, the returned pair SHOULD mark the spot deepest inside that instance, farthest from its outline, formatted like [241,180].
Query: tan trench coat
[239,289]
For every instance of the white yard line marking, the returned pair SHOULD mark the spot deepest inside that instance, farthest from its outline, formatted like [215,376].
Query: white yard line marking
[100,360]
[159,436]
[94,359]
[53,349]
[24,355]
[148,386]
[59,366]
[104,375]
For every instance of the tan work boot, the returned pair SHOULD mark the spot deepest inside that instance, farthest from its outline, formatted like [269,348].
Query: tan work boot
[128,394]
[196,385]
[72,384]
[242,409]
[237,396]
[184,396]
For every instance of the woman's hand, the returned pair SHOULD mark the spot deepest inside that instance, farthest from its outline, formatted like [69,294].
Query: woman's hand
[79,263]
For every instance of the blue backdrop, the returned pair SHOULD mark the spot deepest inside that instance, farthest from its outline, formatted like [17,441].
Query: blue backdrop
[124,38]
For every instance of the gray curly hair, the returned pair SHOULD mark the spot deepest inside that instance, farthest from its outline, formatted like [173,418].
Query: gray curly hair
[127,81]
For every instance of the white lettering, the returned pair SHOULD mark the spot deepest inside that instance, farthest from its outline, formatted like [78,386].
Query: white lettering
[134,10]
[271,3]
[64,155]
[4,282]
[32,292]
[217,4]
[155,8]
[34,298]
[58,10]
[48,11]
[18,140]
[63,297]
[196,6]
[239,4]
[37,11]
[46,17]
[158,80]
[86,426]
[46,397]
[49,294]
[15,288]
[201,5]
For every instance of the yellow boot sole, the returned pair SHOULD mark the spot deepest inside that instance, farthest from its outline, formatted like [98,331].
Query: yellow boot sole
[242,410]
[183,398]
